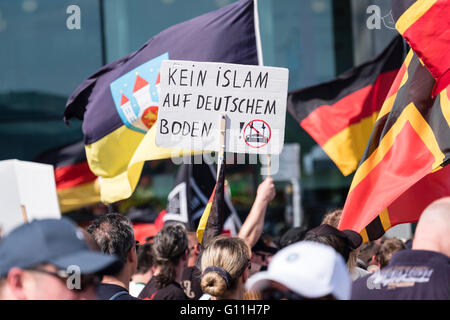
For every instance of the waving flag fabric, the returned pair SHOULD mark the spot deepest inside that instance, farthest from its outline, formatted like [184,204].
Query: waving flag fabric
[194,183]
[425,24]
[340,114]
[403,167]
[76,185]
[212,220]
[119,103]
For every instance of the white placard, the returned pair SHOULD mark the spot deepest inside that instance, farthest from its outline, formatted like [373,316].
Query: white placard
[194,95]
[27,192]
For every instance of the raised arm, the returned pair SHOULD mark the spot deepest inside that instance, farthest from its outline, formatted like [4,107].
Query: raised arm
[253,225]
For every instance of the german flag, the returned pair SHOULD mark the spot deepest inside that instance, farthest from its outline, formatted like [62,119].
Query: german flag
[211,222]
[402,169]
[76,185]
[340,114]
[425,24]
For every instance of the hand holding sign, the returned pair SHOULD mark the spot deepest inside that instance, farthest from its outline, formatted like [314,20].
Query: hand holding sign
[266,191]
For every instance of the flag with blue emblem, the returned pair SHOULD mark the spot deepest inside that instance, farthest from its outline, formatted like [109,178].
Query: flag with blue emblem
[119,103]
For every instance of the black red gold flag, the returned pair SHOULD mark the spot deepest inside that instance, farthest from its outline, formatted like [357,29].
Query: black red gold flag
[403,167]
[76,185]
[339,115]
[211,222]
[194,183]
[425,25]
[119,102]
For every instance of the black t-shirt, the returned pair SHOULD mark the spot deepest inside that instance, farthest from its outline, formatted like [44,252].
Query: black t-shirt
[105,291]
[190,281]
[410,275]
[172,291]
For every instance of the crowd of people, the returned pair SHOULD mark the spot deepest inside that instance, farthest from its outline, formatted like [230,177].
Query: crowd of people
[56,259]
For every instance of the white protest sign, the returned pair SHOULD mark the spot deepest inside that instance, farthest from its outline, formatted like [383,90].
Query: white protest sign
[27,192]
[193,96]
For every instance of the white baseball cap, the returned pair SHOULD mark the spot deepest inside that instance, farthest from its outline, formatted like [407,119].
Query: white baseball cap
[308,268]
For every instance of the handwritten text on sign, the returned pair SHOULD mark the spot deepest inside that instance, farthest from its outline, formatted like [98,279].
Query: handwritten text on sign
[194,94]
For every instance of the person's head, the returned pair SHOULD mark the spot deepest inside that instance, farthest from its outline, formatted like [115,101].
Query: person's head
[344,242]
[114,235]
[387,249]
[291,236]
[262,253]
[224,264]
[50,259]
[304,270]
[194,248]
[368,252]
[145,265]
[170,250]
[433,228]
[332,218]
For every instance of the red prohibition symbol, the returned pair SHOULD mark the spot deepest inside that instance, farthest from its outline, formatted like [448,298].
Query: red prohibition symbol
[257,133]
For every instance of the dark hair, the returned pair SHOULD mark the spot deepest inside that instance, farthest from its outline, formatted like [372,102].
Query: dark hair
[114,234]
[145,258]
[169,245]
[291,236]
[332,240]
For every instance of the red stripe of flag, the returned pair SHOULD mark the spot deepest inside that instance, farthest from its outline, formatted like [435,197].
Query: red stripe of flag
[410,205]
[429,37]
[73,175]
[387,180]
[348,110]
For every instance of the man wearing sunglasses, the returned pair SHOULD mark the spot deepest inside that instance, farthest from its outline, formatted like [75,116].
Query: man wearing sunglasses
[50,259]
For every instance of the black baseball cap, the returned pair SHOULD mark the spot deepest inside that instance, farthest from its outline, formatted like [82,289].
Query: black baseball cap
[54,241]
[292,235]
[352,238]
[260,245]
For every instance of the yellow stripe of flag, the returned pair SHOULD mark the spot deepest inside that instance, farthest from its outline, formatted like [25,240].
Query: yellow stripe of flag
[412,14]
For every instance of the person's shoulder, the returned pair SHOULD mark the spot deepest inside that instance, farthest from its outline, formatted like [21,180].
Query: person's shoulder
[148,290]
[361,288]
[190,272]
[136,288]
[106,291]
[127,296]
[172,291]
[358,273]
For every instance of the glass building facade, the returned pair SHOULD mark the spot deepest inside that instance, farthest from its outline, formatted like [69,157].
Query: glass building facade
[42,61]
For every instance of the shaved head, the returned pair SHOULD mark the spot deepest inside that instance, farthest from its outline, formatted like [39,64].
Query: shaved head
[433,230]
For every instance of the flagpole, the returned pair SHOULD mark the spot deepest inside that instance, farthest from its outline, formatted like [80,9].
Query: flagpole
[223,128]
[260,56]
[24,213]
